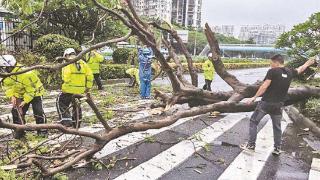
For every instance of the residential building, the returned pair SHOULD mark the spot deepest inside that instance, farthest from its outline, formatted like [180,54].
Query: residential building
[261,34]
[227,30]
[161,9]
[187,12]
[183,12]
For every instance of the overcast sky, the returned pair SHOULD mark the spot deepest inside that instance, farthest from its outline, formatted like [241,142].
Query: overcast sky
[238,12]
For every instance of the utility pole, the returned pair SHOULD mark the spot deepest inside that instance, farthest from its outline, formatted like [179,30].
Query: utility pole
[195,43]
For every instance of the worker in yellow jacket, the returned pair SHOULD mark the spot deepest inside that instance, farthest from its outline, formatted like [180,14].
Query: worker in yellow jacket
[24,90]
[93,60]
[77,79]
[134,76]
[208,71]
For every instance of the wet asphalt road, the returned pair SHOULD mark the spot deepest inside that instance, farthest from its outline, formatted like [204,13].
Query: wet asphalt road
[248,76]
[293,164]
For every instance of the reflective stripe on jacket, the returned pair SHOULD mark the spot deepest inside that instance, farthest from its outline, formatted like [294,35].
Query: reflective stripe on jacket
[208,70]
[76,79]
[25,86]
[93,60]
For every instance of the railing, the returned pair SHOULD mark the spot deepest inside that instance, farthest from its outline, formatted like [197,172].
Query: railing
[17,42]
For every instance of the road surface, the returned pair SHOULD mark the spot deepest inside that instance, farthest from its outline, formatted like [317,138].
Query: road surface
[206,148]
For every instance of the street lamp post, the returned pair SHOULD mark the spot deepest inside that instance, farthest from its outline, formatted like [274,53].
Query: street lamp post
[195,43]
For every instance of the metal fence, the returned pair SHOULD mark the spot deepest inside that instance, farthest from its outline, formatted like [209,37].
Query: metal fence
[17,42]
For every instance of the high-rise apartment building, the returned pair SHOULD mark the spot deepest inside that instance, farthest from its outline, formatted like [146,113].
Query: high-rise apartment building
[261,34]
[183,12]
[187,12]
[227,30]
[161,9]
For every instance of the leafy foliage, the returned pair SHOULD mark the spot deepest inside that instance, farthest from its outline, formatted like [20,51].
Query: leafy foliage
[74,19]
[28,58]
[53,45]
[133,57]
[121,55]
[303,39]
[114,71]
[10,175]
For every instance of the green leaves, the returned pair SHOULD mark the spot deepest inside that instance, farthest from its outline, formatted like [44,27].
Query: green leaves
[53,45]
[303,39]
[60,176]
[75,19]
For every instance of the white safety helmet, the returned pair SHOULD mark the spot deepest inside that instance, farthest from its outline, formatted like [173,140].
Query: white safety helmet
[210,55]
[7,61]
[69,51]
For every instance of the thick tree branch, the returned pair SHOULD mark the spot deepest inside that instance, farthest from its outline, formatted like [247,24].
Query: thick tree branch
[177,61]
[174,34]
[218,64]
[35,127]
[97,112]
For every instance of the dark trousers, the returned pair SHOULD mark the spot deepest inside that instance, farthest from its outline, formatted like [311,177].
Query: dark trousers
[18,114]
[207,85]
[97,79]
[275,112]
[132,82]
[63,102]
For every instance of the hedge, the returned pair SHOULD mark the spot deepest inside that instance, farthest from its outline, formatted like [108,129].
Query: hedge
[114,71]
[198,66]
[52,80]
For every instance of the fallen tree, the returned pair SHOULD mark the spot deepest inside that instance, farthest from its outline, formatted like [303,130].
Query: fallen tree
[200,101]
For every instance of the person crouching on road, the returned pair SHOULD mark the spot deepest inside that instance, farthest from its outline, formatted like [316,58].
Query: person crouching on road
[208,71]
[77,79]
[274,91]
[24,90]
[94,59]
[145,72]
[134,76]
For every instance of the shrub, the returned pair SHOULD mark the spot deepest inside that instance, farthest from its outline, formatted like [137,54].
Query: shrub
[28,58]
[312,109]
[198,66]
[121,56]
[133,57]
[114,71]
[51,79]
[53,45]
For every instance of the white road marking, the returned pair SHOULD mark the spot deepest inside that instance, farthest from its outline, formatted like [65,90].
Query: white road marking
[248,165]
[132,138]
[314,173]
[95,129]
[177,154]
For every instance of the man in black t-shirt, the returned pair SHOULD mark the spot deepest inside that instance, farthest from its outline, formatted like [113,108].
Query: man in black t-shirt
[274,91]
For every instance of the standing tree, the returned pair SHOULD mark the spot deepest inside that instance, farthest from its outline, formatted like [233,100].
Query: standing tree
[79,20]
[302,41]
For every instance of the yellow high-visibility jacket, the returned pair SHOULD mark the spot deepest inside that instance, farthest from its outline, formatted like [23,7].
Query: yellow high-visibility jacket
[208,70]
[134,72]
[76,81]
[25,86]
[93,60]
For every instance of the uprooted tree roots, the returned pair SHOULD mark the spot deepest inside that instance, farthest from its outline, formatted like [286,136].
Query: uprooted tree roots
[183,91]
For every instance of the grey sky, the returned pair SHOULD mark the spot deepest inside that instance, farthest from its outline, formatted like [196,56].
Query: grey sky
[238,12]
